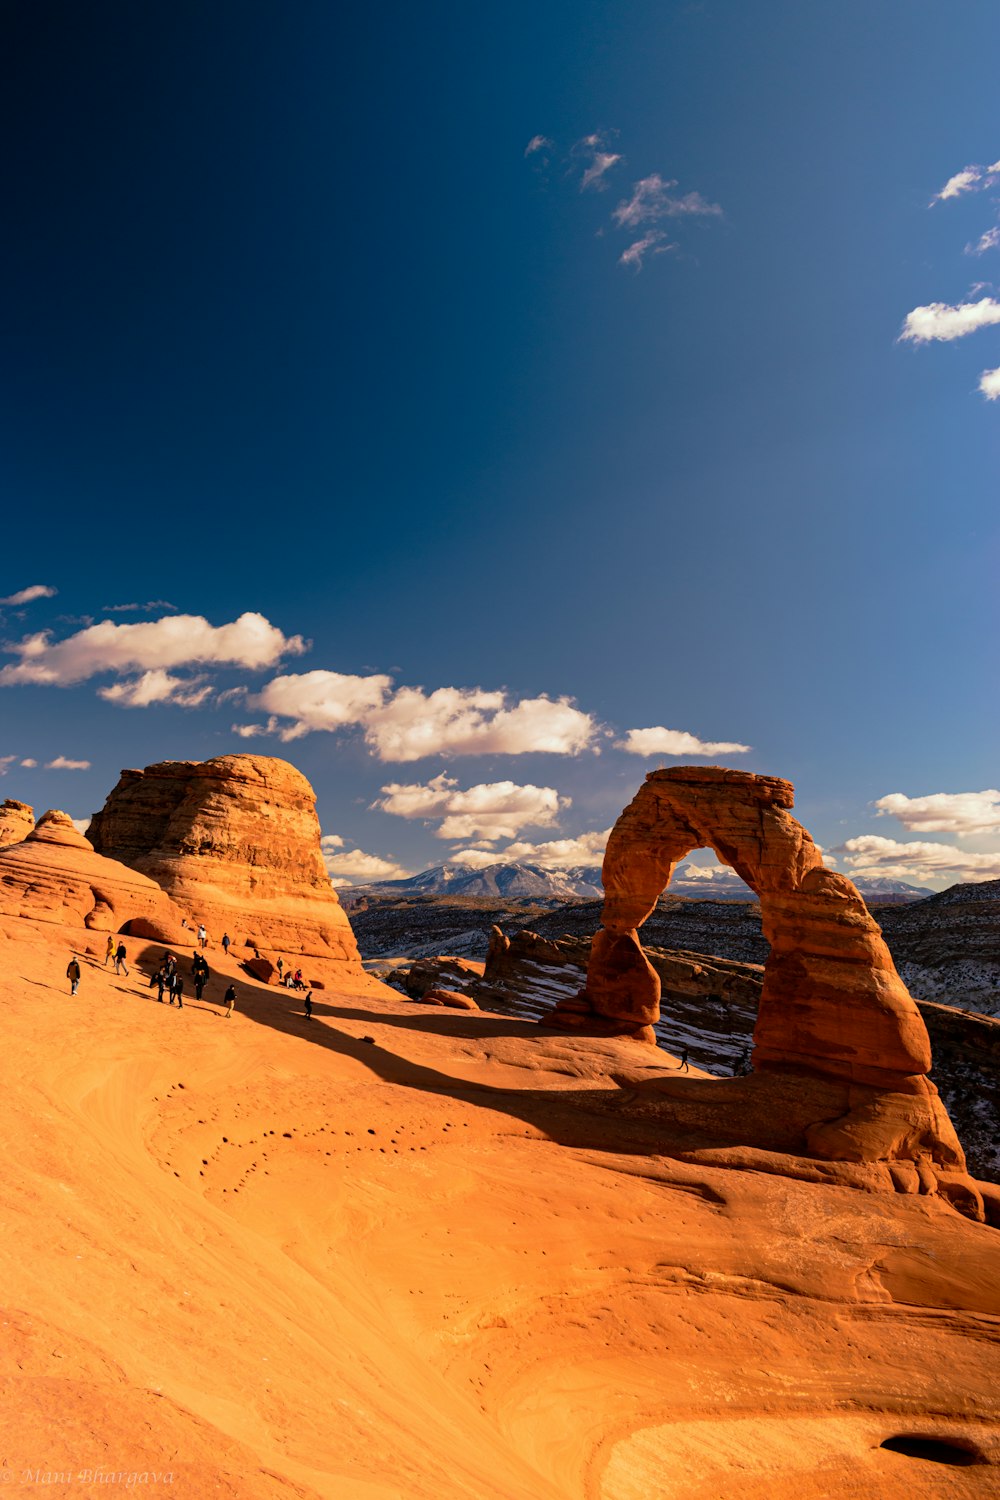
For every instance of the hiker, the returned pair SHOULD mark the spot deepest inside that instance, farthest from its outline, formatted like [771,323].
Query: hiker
[308,1006]
[230,998]
[109,952]
[683,1064]
[195,963]
[120,957]
[298,982]
[169,965]
[73,974]
[159,979]
[202,936]
[199,981]
[177,990]
[281,965]
[225,943]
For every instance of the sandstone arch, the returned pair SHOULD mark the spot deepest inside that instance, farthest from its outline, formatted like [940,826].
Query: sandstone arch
[832,1007]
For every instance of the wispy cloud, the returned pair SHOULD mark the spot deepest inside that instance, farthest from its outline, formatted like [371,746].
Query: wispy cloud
[30,594]
[147,608]
[989,384]
[660,741]
[62,764]
[988,241]
[652,240]
[652,199]
[970,180]
[944,812]
[538,143]
[490,811]
[592,151]
[942,322]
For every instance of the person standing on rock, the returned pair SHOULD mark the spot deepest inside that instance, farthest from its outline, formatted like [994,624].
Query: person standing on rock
[73,974]
[683,1064]
[225,943]
[281,965]
[159,980]
[109,952]
[200,979]
[307,1006]
[230,998]
[202,935]
[120,957]
[177,990]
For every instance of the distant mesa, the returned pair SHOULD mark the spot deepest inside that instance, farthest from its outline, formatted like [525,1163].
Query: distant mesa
[17,820]
[54,875]
[833,1014]
[235,842]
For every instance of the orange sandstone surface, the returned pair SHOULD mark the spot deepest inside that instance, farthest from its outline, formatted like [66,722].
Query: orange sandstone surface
[399,1252]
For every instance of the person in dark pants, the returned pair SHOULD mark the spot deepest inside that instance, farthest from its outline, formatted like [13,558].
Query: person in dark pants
[683,1065]
[308,1006]
[73,974]
[225,943]
[177,990]
[230,998]
[199,981]
[120,956]
[159,981]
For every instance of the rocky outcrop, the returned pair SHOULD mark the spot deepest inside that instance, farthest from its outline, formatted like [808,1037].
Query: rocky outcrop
[54,875]
[832,1006]
[17,820]
[235,842]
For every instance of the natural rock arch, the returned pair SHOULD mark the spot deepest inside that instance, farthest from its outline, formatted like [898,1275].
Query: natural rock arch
[832,1006]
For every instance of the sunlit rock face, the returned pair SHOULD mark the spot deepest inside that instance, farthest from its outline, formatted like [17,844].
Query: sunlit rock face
[55,875]
[17,820]
[235,841]
[832,1008]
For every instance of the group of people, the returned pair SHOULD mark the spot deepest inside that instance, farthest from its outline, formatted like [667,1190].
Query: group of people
[287,979]
[116,953]
[168,978]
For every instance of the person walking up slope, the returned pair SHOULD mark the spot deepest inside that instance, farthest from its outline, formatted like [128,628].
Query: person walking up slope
[120,956]
[73,974]
[230,998]
[109,952]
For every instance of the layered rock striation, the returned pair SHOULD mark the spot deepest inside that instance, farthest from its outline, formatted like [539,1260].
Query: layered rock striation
[832,1006]
[55,875]
[235,841]
[17,820]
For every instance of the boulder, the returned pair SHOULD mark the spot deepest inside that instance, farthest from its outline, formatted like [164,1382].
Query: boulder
[235,841]
[55,875]
[453,999]
[17,820]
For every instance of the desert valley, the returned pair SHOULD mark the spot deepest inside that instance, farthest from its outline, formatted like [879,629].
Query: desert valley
[492,1236]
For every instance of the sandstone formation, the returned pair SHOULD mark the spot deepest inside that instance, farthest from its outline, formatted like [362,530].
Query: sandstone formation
[832,1006]
[17,820]
[235,842]
[54,875]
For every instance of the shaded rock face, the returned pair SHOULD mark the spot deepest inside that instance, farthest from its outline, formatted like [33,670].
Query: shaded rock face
[832,1007]
[235,842]
[54,875]
[17,820]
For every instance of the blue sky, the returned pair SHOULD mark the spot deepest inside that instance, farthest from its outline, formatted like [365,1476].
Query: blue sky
[297,328]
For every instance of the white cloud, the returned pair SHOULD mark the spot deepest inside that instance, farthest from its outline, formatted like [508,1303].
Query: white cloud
[660,741]
[652,200]
[652,240]
[62,764]
[940,321]
[413,724]
[176,640]
[28,595]
[6,761]
[157,686]
[871,855]
[944,812]
[989,384]
[988,241]
[492,810]
[80,824]
[319,701]
[29,763]
[962,182]
[353,866]
[537,143]
[557,854]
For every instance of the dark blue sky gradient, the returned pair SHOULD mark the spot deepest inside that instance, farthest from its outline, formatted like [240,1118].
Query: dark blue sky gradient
[291,325]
